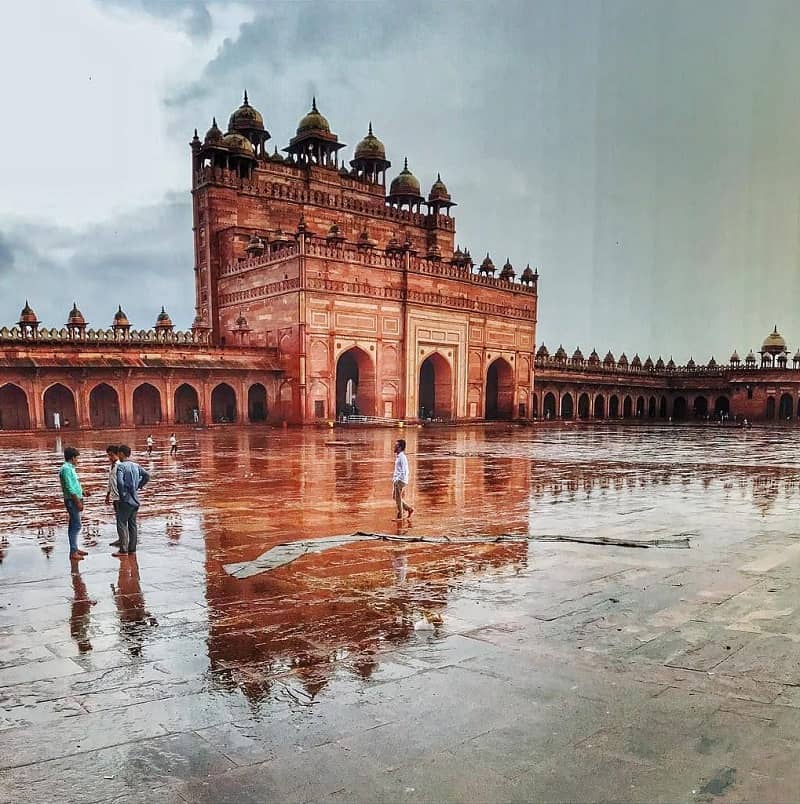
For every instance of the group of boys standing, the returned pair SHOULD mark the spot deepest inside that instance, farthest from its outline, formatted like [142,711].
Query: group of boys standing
[125,480]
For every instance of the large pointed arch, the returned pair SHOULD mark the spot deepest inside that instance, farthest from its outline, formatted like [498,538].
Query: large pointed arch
[14,410]
[60,400]
[355,383]
[500,390]
[103,406]
[435,388]
[146,404]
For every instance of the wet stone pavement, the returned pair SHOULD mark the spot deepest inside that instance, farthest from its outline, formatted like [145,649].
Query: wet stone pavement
[533,671]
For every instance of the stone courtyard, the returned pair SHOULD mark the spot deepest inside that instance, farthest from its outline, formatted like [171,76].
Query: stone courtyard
[539,670]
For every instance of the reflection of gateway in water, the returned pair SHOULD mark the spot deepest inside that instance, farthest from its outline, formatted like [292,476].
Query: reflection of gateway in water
[339,608]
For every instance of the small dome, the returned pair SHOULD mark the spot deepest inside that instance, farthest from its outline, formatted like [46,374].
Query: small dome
[636,362]
[691,364]
[735,357]
[577,355]
[405,183]
[214,137]
[163,321]
[594,358]
[438,191]
[561,353]
[648,364]
[241,321]
[507,272]
[660,364]
[370,147]
[542,351]
[671,364]
[76,318]
[487,266]
[120,319]
[313,122]
[238,144]
[27,316]
[774,343]
[608,360]
[527,275]
[751,358]
[796,355]
[245,118]
[623,360]
[712,363]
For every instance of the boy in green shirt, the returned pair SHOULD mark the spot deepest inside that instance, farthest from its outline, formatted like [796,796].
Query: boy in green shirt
[73,500]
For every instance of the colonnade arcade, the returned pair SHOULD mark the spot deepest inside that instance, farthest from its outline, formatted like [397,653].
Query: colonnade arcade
[550,402]
[111,403]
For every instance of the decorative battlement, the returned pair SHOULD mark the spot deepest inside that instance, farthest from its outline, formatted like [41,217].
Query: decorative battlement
[135,337]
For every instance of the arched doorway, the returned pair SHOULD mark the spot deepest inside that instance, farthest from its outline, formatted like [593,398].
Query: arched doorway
[722,406]
[613,406]
[640,407]
[223,404]
[679,408]
[651,408]
[583,406]
[499,390]
[435,388]
[355,384]
[549,406]
[627,408]
[700,407]
[599,407]
[14,411]
[785,407]
[187,405]
[257,403]
[771,408]
[662,408]
[103,406]
[58,399]
[567,407]
[146,404]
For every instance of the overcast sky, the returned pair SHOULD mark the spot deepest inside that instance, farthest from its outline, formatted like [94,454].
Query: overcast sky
[643,155]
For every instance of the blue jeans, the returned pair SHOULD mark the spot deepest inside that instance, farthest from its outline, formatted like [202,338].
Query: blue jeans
[74,526]
[127,529]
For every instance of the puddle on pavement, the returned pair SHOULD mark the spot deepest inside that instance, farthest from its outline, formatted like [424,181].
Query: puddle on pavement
[233,493]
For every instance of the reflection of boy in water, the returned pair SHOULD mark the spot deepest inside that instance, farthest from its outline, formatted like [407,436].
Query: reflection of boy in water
[81,607]
[133,617]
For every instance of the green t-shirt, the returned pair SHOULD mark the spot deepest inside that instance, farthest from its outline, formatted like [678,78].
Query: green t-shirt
[69,482]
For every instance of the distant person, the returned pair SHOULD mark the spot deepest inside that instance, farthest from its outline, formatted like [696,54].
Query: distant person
[57,421]
[112,492]
[131,478]
[73,500]
[150,444]
[195,415]
[400,478]
[173,444]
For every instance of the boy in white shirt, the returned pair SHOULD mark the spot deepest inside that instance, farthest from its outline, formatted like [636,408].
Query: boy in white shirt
[400,479]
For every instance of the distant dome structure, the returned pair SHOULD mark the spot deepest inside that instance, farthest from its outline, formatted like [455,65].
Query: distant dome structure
[439,198]
[648,364]
[163,322]
[735,359]
[315,143]
[75,318]
[507,271]
[594,358]
[660,364]
[370,162]
[27,316]
[774,343]
[487,266]
[247,121]
[404,190]
[528,276]
[636,362]
[577,356]
[691,364]
[214,137]
[608,360]
[120,319]
[542,351]
[239,145]
[561,354]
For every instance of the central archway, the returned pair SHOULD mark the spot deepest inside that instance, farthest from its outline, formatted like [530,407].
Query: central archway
[103,406]
[599,407]
[355,384]
[499,390]
[187,405]
[567,406]
[786,407]
[257,403]
[223,404]
[58,399]
[679,408]
[146,404]
[14,412]
[435,388]
[549,405]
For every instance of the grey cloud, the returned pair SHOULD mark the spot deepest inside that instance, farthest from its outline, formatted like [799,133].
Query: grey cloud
[193,15]
[141,260]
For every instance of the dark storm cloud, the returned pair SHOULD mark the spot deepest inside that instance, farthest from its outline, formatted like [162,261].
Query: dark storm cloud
[140,260]
[193,15]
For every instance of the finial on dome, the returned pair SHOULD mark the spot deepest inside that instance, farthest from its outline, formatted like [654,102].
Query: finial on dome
[370,128]
[314,103]
[246,102]
[405,164]
[438,176]
[214,122]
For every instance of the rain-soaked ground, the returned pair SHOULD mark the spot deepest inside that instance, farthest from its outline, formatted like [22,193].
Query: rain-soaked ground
[523,671]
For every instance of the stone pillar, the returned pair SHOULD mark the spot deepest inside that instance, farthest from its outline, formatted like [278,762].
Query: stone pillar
[36,405]
[168,405]
[82,405]
[241,401]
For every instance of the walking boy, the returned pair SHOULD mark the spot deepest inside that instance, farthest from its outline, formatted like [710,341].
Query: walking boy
[149,445]
[130,479]
[400,478]
[73,500]
[173,445]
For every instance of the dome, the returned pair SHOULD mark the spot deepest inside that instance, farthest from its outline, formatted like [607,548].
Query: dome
[542,351]
[527,275]
[214,137]
[370,147]
[313,122]
[120,319]
[671,364]
[561,353]
[487,266]
[438,191]
[27,316]
[507,272]
[751,358]
[241,321]
[636,362]
[623,360]
[712,363]
[594,358]
[577,355]
[163,321]
[76,318]
[659,364]
[774,343]
[691,364]
[245,118]
[648,364]
[405,183]
[735,357]
[796,355]
[608,359]
[238,144]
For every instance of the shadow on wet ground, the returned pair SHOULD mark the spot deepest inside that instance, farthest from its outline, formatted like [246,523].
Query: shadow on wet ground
[376,671]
